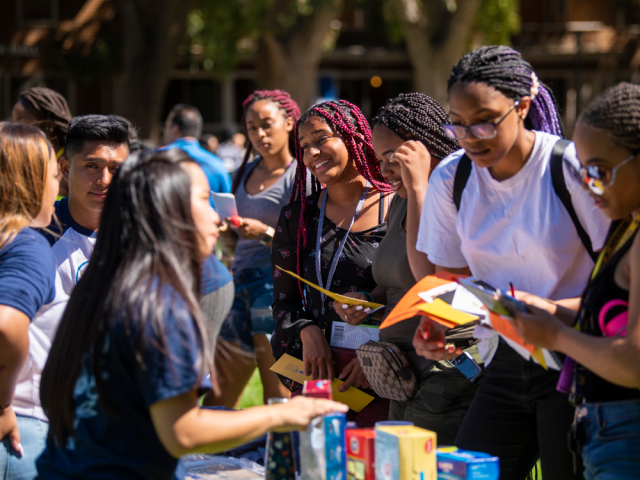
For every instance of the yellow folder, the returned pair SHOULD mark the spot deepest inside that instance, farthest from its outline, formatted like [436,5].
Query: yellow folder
[335,296]
[442,309]
[293,368]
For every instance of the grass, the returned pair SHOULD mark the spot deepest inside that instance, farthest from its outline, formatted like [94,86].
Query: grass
[253,392]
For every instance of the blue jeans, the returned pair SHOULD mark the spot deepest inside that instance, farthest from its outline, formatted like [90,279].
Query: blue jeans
[611,448]
[33,435]
[251,311]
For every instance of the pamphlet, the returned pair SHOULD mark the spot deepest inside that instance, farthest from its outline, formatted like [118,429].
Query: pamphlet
[344,335]
[293,369]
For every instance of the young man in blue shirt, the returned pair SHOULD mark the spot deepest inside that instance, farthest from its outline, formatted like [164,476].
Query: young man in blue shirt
[182,129]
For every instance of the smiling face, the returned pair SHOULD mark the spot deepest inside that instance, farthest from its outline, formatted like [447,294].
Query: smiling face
[205,218]
[594,146]
[474,103]
[268,128]
[324,152]
[385,142]
[89,173]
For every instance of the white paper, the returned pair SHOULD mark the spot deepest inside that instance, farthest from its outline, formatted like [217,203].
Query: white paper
[465,301]
[429,295]
[344,335]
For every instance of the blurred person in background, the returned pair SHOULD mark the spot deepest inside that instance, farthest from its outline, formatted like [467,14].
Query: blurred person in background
[182,129]
[261,188]
[209,142]
[48,110]
[232,149]
[29,186]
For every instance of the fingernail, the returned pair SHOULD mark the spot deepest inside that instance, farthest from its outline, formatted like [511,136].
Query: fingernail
[359,307]
[345,306]
[21,450]
[367,310]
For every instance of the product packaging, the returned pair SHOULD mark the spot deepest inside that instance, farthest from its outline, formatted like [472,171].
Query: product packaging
[361,444]
[322,448]
[317,389]
[405,453]
[455,464]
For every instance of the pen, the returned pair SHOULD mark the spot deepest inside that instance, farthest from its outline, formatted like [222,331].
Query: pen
[513,290]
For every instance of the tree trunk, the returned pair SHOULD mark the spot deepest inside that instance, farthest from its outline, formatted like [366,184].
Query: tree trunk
[436,39]
[292,64]
[151,30]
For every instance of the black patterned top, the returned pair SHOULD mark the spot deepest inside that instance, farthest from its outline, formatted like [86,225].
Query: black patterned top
[353,274]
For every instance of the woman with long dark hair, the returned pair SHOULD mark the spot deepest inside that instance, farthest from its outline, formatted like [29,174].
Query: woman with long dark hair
[47,110]
[261,189]
[507,207]
[328,237]
[122,379]
[28,188]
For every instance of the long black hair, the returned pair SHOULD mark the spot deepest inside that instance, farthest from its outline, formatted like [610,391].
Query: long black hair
[147,241]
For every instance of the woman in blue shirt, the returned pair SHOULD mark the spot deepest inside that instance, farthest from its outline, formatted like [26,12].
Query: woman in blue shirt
[130,357]
[29,185]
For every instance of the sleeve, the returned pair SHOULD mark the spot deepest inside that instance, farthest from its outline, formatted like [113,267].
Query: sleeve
[170,369]
[437,235]
[27,274]
[595,223]
[287,306]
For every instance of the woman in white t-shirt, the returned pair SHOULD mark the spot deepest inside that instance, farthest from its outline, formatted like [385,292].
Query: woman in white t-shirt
[509,224]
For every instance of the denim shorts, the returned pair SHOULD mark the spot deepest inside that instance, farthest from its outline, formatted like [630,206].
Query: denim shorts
[33,435]
[251,312]
[611,448]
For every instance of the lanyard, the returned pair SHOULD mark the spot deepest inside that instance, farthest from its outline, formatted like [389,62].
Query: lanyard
[622,234]
[336,255]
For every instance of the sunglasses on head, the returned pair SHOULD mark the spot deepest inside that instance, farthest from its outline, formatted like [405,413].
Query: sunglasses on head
[597,178]
[481,131]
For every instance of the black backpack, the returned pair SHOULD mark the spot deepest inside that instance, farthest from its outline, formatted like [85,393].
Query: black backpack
[557,177]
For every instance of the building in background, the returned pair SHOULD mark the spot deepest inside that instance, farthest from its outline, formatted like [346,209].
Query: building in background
[578,47]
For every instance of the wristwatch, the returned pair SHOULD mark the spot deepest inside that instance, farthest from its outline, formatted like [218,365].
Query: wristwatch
[268,236]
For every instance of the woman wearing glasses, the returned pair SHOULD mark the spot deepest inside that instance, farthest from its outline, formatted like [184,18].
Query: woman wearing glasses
[604,376]
[508,224]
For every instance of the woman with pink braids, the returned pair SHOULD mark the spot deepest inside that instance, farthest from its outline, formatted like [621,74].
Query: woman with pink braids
[329,238]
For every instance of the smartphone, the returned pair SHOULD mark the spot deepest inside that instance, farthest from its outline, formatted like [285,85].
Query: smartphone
[467,366]
[225,204]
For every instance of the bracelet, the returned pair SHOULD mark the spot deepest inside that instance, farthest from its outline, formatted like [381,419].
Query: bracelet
[368,295]
[4,407]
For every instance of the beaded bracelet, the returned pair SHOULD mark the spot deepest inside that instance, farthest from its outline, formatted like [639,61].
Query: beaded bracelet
[4,407]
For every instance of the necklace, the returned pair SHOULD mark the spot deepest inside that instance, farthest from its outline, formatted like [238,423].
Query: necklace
[270,172]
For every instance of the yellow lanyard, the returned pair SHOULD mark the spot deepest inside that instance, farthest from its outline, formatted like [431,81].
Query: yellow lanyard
[623,233]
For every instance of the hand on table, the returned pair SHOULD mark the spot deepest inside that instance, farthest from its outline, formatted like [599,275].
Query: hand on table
[353,376]
[352,314]
[429,342]
[316,354]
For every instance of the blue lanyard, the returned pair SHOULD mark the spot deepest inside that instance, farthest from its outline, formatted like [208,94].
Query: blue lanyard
[336,256]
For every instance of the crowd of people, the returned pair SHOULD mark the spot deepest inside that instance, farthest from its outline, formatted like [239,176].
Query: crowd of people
[120,327]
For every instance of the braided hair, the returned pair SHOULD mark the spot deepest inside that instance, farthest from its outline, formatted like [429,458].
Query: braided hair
[52,110]
[504,69]
[347,120]
[418,116]
[290,109]
[617,111]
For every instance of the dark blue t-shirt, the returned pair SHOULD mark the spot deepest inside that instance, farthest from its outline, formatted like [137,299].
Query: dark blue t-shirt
[126,446]
[66,222]
[27,272]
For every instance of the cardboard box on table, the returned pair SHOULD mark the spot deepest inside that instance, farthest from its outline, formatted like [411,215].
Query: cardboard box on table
[455,464]
[322,448]
[361,445]
[405,453]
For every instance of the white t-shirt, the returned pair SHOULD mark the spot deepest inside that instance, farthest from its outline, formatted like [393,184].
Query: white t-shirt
[72,252]
[516,230]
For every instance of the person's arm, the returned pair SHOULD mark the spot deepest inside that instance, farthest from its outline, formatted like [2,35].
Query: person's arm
[415,164]
[184,428]
[613,358]
[566,310]
[14,348]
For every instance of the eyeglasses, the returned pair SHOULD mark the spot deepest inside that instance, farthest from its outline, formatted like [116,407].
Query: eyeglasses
[482,131]
[597,178]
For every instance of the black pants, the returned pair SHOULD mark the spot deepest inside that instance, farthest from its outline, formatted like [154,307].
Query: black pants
[518,415]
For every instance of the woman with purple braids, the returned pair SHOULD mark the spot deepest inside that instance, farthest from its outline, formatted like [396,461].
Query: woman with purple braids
[495,207]
[329,238]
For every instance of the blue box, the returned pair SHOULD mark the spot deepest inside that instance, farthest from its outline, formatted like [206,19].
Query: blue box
[454,464]
[323,453]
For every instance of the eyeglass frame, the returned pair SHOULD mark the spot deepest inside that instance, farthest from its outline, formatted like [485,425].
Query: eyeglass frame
[583,175]
[470,127]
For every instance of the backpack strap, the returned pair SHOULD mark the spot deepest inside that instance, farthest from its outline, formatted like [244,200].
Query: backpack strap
[560,187]
[460,180]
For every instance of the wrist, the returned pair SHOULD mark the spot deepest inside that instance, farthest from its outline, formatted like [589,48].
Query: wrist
[5,408]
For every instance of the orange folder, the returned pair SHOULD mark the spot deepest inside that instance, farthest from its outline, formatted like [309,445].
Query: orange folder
[408,306]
